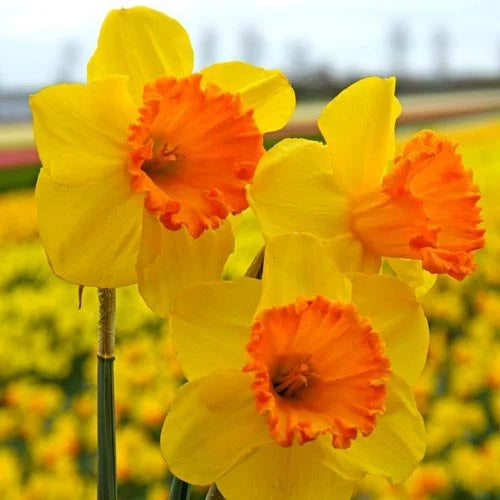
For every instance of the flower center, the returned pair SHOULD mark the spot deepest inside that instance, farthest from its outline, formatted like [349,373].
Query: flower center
[319,368]
[163,160]
[194,149]
[288,382]
[426,209]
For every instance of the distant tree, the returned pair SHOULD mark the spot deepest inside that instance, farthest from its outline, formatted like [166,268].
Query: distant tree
[208,47]
[498,54]
[441,52]
[68,61]
[399,44]
[252,45]
[298,59]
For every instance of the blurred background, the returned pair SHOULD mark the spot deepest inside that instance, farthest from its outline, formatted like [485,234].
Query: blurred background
[446,56]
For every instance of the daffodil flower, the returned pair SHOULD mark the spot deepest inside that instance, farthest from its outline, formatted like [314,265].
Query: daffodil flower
[144,163]
[424,209]
[298,384]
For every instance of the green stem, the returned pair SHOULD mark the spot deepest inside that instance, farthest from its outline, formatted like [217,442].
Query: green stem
[256,268]
[179,490]
[106,441]
[214,493]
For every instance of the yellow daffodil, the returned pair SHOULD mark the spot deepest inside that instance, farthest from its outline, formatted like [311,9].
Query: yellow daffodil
[298,384]
[144,163]
[424,208]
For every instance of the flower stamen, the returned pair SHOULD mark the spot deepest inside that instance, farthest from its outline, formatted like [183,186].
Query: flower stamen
[289,383]
[163,161]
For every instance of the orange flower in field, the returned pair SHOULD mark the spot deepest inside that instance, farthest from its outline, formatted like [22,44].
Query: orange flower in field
[143,165]
[428,480]
[425,207]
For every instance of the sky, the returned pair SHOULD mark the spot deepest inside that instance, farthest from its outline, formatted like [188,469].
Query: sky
[36,37]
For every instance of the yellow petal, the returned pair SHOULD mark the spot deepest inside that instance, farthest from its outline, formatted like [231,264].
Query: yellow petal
[294,190]
[143,44]
[395,313]
[352,256]
[412,273]
[397,444]
[91,232]
[248,241]
[392,450]
[210,325]
[211,426]
[358,126]
[330,456]
[299,265]
[277,473]
[171,261]
[267,92]
[81,130]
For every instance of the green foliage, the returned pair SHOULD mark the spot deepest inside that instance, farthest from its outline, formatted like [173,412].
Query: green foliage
[20,177]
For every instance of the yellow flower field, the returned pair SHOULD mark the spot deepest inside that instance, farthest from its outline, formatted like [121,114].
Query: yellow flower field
[48,369]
